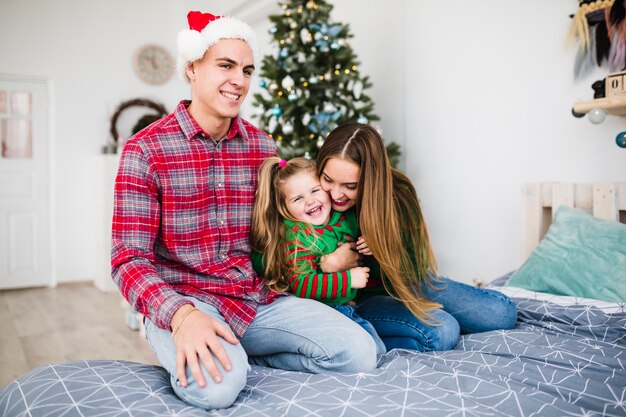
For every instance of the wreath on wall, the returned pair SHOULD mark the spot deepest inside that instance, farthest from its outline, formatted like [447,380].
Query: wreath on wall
[158,112]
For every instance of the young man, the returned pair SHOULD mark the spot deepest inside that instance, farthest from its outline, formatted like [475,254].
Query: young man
[181,248]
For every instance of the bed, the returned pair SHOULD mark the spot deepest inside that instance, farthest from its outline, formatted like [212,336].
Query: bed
[565,357]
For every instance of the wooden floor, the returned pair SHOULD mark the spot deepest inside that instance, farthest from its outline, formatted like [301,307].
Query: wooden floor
[73,321]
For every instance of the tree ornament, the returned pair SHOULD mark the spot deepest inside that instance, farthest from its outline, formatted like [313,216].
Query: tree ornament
[287,128]
[276,111]
[305,35]
[271,126]
[329,107]
[292,96]
[357,89]
[287,82]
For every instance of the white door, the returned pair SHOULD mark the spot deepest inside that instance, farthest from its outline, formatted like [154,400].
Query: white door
[24,184]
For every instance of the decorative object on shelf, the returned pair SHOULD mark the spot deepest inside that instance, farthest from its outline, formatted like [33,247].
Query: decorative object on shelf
[609,98]
[117,141]
[616,83]
[597,116]
[620,140]
[599,90]
[153,64]
[599,27]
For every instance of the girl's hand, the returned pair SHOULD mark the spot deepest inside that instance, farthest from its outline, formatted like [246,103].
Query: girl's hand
[362,248]
[343,258]
[359,275]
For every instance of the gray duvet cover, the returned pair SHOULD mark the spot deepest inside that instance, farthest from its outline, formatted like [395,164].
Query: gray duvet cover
[560,360]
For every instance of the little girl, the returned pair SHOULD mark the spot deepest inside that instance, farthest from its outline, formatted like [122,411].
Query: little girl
[293,226]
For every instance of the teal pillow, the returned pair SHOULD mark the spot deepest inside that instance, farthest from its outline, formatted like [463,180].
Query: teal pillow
[580,256]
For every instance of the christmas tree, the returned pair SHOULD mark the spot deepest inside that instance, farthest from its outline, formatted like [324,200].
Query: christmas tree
[312,83]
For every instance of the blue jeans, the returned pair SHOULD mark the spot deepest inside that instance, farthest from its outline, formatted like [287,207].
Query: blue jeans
[466,309]
[291,333]
[350,313]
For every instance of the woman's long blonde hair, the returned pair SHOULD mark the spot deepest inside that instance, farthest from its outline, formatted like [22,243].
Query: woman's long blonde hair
[389,214]
[270,210]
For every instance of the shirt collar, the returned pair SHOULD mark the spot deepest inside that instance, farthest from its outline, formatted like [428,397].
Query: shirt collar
[191,128]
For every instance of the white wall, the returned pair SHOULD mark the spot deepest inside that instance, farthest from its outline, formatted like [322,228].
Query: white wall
[489,89]
[478,95]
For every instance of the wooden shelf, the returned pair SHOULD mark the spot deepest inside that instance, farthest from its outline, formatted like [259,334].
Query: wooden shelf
[615,105]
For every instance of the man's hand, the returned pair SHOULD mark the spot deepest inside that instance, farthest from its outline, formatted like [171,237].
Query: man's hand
[196,336]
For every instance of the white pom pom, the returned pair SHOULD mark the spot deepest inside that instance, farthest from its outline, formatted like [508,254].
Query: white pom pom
[191,45]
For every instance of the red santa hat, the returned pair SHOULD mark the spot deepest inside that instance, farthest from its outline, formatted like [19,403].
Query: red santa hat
[205,30]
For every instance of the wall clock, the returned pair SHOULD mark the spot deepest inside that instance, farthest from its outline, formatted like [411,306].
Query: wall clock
[154,64]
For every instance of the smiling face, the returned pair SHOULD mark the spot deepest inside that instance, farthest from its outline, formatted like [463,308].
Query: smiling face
[221,79]
[305,199]
[340,178]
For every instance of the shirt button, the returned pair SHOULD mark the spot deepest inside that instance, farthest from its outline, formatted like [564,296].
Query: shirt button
[221,222]
[219,184]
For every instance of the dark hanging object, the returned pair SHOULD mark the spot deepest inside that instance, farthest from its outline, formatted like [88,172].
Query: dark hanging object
[617,13]
[599,28]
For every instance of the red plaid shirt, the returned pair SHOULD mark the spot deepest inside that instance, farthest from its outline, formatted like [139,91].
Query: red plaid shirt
[181,219]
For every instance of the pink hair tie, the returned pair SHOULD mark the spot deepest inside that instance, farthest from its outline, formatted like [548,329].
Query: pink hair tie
[282,163]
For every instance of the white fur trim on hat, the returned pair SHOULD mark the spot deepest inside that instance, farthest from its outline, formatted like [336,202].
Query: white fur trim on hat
[192,44]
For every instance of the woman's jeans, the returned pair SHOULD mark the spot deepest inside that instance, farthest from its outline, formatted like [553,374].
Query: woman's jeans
[350,312]
[466,309]
[291,333]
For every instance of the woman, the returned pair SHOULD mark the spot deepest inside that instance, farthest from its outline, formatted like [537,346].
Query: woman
[410,307]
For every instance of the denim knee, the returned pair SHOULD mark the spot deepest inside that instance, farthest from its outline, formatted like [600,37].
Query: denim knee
[444,335]
[497,313]
[213,395]
[504,314]
[355,352]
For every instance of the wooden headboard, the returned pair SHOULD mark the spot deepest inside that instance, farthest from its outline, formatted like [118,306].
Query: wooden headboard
[605,200]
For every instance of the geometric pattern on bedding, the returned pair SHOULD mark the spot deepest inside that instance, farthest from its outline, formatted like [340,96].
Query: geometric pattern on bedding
[559,360]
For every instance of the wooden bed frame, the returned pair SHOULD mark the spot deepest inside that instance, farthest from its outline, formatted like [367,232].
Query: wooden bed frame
[605,200]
